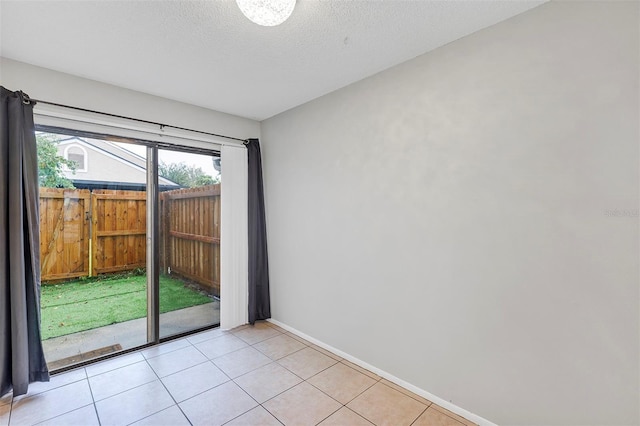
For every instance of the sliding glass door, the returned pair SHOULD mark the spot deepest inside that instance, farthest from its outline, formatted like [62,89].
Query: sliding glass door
[99,262]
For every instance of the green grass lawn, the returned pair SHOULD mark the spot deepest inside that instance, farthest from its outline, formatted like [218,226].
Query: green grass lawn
[86,304]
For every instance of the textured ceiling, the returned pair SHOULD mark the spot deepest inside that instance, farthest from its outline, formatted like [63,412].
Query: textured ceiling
[207,53]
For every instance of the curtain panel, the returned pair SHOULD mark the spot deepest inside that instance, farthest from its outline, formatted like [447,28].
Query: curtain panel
[259,301]
[233,237]
[21,356]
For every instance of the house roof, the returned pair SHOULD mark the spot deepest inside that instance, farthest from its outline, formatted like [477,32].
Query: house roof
[112,150]
[108,147]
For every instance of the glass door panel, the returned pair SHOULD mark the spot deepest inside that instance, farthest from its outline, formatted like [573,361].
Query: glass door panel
[92,247]
[189,213]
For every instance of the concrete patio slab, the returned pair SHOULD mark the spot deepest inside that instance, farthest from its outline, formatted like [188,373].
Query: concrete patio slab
[131,334]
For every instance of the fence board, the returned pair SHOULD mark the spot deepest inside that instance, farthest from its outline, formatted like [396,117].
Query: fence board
[64,233]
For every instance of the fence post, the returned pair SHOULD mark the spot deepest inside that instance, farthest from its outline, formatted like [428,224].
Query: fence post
[92,242]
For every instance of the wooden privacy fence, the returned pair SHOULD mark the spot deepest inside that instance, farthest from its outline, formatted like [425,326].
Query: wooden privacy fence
[85,233]
[190,234]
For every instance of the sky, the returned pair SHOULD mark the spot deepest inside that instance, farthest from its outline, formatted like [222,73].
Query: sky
[166,156]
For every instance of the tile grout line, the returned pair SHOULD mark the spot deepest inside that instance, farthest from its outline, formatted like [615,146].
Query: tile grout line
[180,371]
[250,371]
[331,414]
[378,379]
[126,390]
[433,407]
[141,351]
[170,395]
[113,369]
[344,405]
[227,353]
[303,379]
[358,414]
[277,359]
[291,353]
[95,407]
[260,341]
[222,334]
[419,415]
[273,415]
[29,397]
[62,414]
[44,391]
[391,387]
[247,393]
[207,390]
[279,393]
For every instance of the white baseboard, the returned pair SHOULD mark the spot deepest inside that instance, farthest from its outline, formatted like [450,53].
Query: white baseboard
[421,392]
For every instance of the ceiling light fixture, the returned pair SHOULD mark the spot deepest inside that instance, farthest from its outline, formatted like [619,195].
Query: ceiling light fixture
[268,13]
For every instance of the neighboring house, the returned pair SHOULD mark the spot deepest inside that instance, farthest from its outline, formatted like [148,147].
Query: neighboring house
[105,165]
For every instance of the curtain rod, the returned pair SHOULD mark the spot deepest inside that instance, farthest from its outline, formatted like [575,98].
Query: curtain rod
[27,100]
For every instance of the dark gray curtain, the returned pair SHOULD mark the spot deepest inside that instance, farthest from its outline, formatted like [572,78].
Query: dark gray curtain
[21,356]
[259,302]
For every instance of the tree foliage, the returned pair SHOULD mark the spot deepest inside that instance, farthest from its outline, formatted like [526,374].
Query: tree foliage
[185,175]
[51,164]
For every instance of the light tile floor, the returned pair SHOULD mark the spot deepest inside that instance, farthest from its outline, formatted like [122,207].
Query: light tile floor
[253,375]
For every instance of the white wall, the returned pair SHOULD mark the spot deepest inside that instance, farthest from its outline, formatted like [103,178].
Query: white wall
[446,220]
[48,85]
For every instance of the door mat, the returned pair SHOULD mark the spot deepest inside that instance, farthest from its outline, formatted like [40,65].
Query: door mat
[85,356]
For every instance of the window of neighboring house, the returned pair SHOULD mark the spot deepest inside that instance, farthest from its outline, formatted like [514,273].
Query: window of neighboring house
[78,155]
